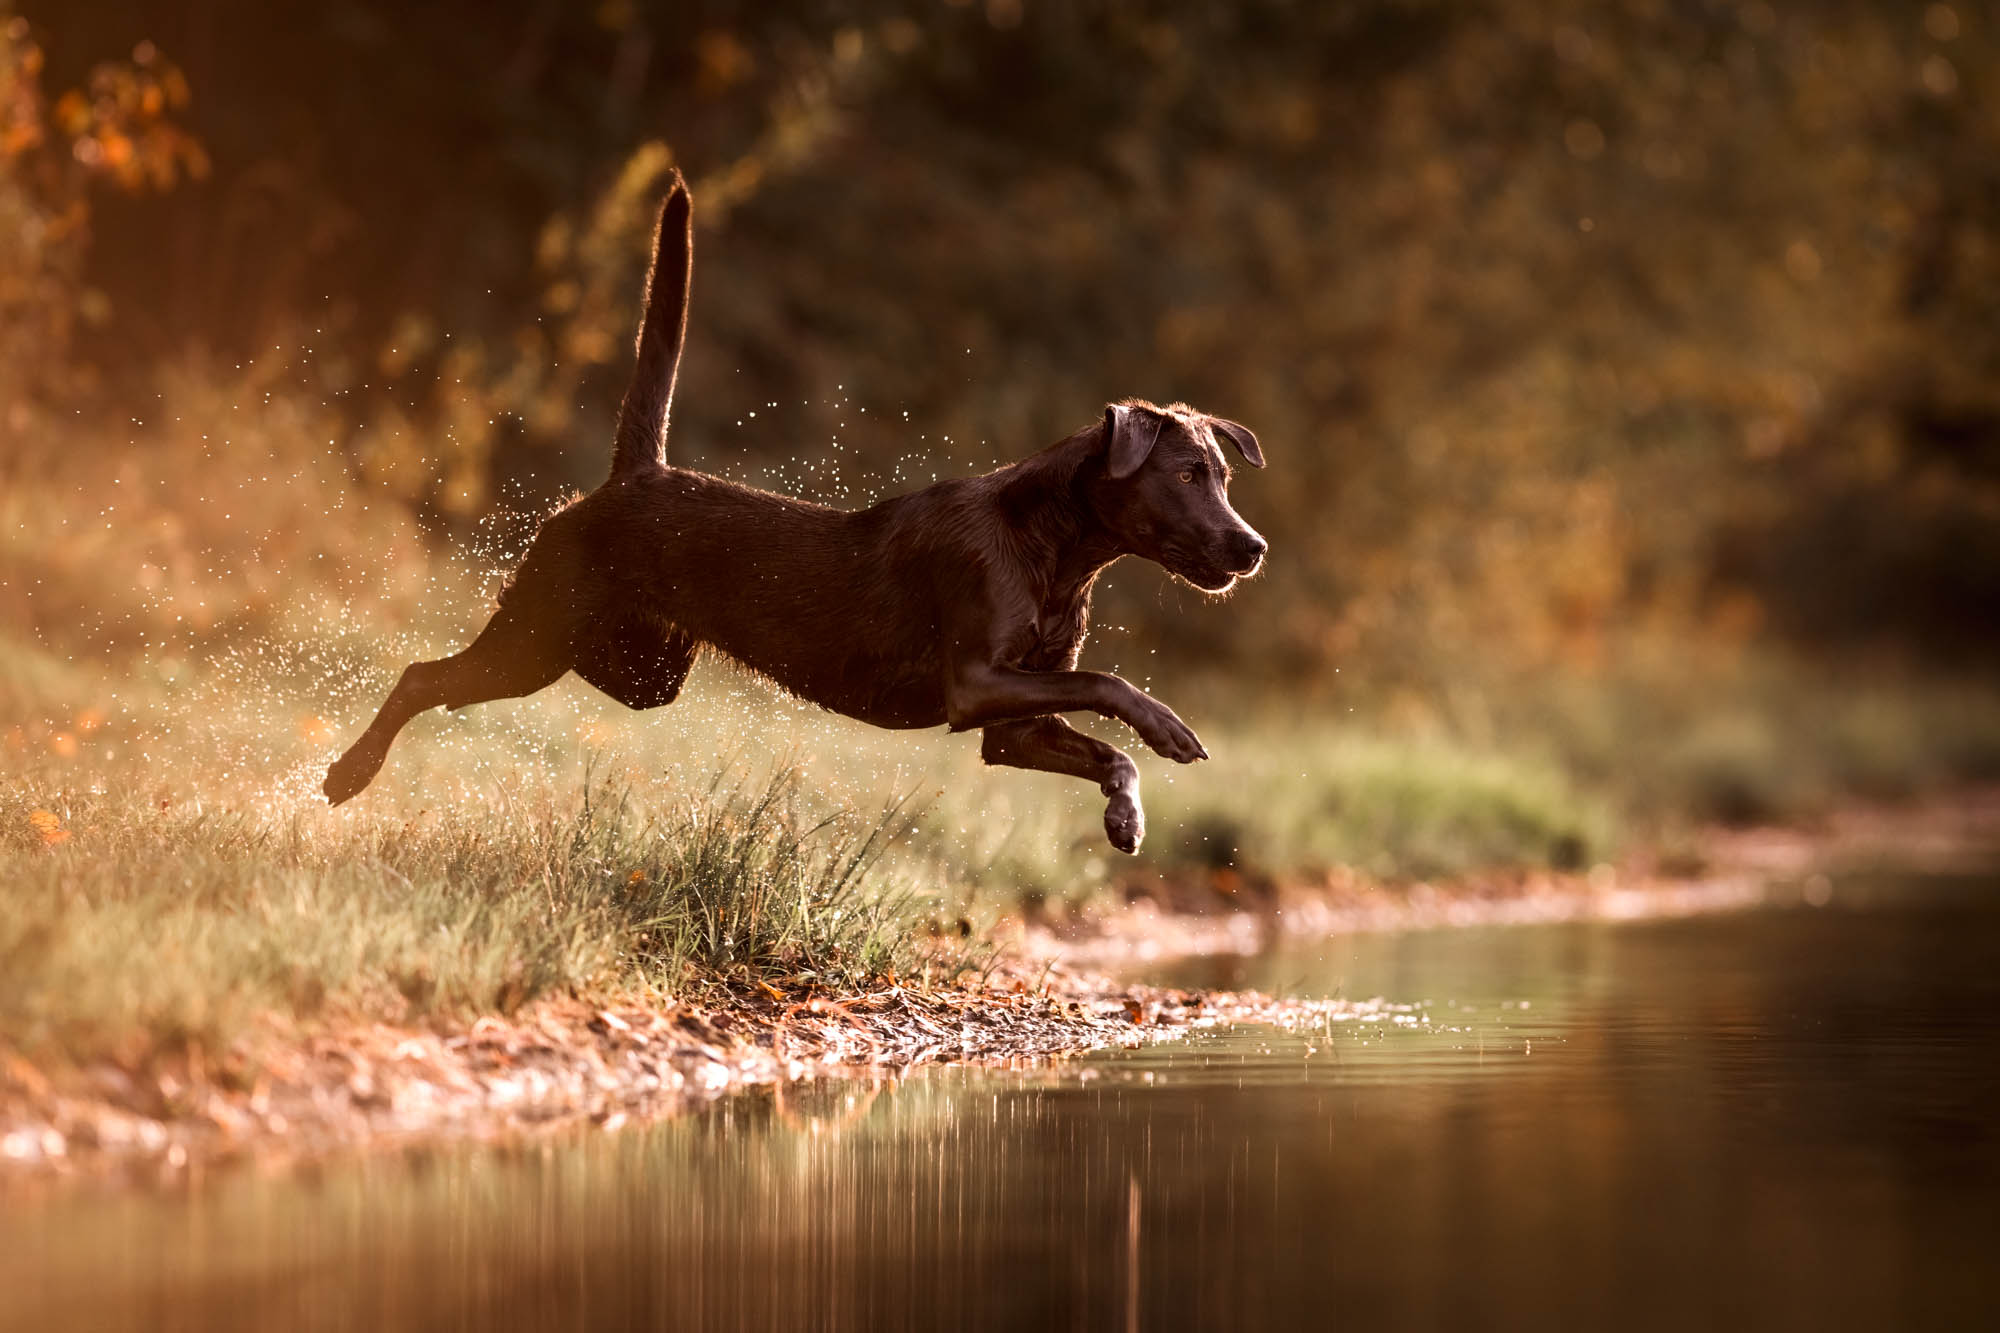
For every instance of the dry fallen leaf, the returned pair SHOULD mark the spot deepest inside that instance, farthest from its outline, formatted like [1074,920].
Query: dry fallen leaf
[48,827]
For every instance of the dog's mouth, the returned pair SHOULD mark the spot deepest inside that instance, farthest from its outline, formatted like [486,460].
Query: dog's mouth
[1212,572]
[1214,576]
[1209,578]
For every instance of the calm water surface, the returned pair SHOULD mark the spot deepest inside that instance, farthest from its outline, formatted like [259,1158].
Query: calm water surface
[1788,1119]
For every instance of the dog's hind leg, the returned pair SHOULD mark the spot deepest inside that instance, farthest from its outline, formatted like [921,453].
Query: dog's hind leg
[515,654]
[1053,746]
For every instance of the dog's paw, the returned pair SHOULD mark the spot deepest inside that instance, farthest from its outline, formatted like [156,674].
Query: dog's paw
[348,775]
[1170,737]
[1125,822]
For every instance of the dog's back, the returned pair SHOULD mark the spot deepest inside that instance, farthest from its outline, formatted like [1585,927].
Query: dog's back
[817,599]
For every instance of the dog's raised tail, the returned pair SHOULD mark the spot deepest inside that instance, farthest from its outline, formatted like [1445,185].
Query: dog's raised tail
[642,419]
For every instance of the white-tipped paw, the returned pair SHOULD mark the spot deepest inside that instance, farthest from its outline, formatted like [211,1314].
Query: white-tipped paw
[1124,822]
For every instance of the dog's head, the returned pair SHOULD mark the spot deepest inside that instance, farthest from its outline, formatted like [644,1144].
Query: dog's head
[1164,492]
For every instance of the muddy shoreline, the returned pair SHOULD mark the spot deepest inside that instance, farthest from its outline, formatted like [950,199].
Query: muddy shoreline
[288,1092]
[289,1095]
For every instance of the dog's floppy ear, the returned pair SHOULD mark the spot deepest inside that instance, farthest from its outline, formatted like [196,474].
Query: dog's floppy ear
[1129,436]
[1240,436]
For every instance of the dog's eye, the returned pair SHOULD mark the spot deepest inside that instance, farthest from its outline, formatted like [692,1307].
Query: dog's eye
[1187,474]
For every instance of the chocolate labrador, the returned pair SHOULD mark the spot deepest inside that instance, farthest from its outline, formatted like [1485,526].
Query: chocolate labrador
[965,603]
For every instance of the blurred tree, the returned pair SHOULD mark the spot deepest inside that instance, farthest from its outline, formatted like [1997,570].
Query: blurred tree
[1573,327]
[115,130]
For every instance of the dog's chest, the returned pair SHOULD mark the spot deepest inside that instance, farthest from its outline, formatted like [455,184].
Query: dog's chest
[1056,634]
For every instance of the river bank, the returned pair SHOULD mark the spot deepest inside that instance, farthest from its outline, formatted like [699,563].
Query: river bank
[291,1090]
[288,1094]
[1719,869]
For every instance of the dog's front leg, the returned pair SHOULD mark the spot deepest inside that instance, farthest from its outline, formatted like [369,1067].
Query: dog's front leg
[980,695]
[1053,746]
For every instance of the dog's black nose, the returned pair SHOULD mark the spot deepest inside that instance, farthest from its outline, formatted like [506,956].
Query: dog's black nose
[1248,548]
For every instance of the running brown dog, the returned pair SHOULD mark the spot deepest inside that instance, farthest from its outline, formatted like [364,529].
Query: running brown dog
[964,603]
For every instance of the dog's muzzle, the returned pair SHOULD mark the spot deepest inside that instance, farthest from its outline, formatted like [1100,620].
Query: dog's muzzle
[1246,553]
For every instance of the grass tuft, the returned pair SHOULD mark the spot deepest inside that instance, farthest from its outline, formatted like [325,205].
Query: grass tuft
[153,926]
